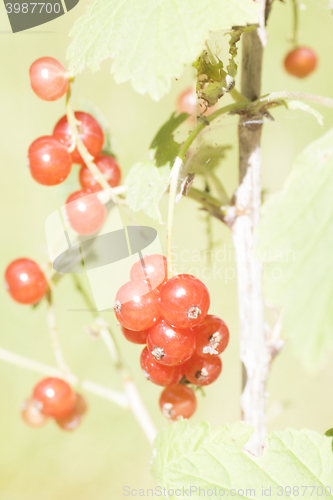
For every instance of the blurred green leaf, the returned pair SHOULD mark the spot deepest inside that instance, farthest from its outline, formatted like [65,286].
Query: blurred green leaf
[205,159]
[198,458]
[150,41]
[329,433]
[164,144]
[146,185]
[296,240]
[304,107]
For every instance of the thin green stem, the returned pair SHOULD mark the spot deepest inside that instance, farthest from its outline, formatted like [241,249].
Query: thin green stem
[54,338]
[134,400]
[175,172]
[295,7]
[77,142]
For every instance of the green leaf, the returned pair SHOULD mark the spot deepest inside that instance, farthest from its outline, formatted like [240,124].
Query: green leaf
[164,144]
[146,185]
[329,433]
[205,159]
[150,41]
[295,240]
[188,459]
[304,107]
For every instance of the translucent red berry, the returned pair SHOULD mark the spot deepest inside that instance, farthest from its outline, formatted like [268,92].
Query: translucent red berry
[49,161]
[170,345]
[135,337]
[73,419]
[212,336]
[202,371]
[109,168]
[157,373]
[300,62]
[25,281]
[48,78]
[90,133]
[178,401]
[31,414]
[136,306]
[86,214]
[184,301]
[54,397]
[152,268]
[187,102]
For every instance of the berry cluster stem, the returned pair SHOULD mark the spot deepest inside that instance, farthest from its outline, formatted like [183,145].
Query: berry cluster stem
[55,342]
[135,403]
[37,367]
[88,159]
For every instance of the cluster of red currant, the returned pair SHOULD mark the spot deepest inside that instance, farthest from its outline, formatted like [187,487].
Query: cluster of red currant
[51,157]
[183,343]
[53,398]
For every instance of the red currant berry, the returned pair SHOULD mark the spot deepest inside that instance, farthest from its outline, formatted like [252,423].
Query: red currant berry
[54,397]
[152,268]
[32,415]
[300,62]
[25,281]
[178,401]
[85,212]
[187,102]
[49,161]
[73,419]
[109,168]
[90,133]
[136,306]
[203,371]
[212,336]
[157,373]
[135,337]
[170,345]
[48,78]
[184,301]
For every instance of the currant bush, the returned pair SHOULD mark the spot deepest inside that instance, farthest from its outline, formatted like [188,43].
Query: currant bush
[109,168]
[48,78]
[178,401]
[49,161]
[187,102]
[300,62]
[90,133]
[25,281]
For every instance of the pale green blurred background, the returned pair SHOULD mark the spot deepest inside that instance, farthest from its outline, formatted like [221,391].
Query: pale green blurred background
[109,450]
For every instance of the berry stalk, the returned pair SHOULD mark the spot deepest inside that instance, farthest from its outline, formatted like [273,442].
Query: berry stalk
[88,159]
